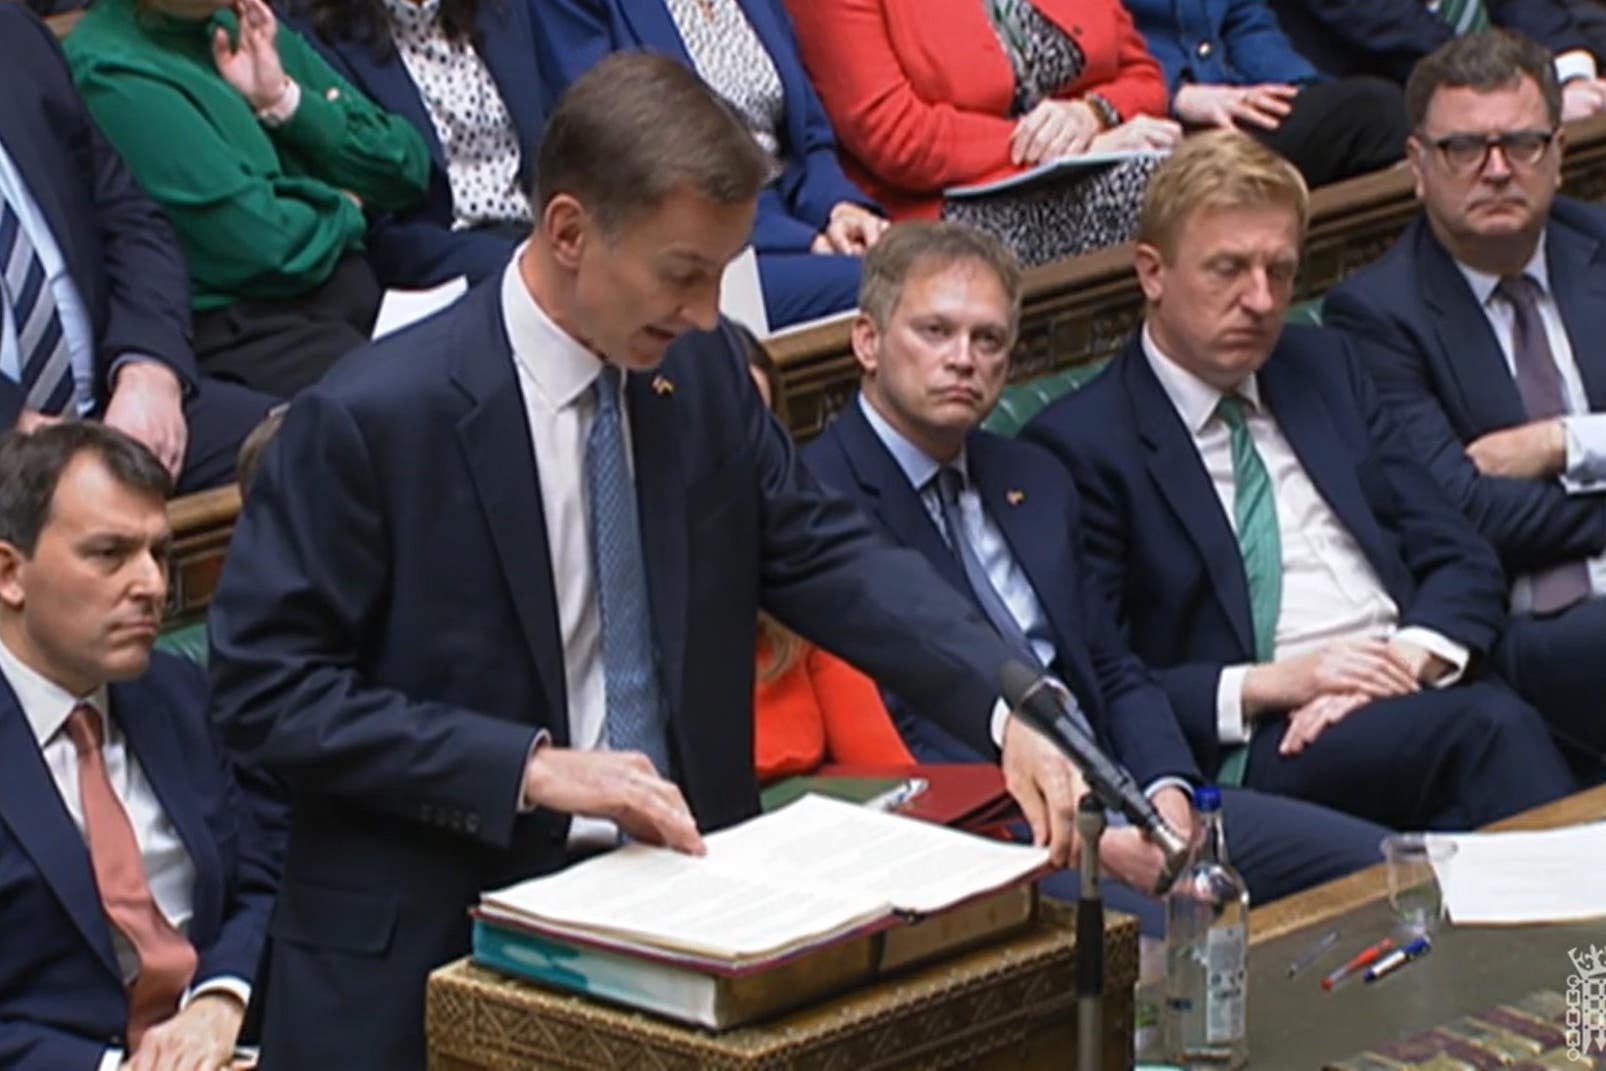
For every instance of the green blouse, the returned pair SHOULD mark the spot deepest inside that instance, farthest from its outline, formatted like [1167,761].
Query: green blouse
[261,212]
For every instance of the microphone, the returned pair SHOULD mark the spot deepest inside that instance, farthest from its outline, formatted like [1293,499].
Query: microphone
[1040,704]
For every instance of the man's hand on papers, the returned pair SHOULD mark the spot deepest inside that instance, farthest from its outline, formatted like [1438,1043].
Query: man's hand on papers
[1046,785]
[621,786]
[1532,451]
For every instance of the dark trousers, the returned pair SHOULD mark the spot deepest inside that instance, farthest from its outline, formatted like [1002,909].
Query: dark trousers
[219,414]
[1451,758]
[1341,128]
[279,347]
[1557,664]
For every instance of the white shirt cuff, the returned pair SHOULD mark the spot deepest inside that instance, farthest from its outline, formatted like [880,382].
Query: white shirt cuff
[1230,725]
[1441,645]
[522,805]
[999,719]
[237,988]
[1586,454]
[1160,784]
[282,110]
[111,1061]
[1578,63]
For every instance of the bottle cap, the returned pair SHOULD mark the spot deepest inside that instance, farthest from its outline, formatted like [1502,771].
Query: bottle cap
[1207,799]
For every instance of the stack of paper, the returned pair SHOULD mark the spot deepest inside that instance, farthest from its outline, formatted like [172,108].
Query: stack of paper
[1551,875]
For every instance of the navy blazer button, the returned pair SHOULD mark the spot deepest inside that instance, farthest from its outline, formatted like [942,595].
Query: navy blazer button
[1205,49]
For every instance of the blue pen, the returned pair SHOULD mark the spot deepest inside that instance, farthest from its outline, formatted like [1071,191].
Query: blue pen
[1395,960]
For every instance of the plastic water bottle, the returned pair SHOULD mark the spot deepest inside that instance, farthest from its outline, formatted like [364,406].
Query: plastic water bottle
[1207,954]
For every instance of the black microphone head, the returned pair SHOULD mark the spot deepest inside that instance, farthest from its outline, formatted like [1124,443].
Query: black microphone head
[1015,681]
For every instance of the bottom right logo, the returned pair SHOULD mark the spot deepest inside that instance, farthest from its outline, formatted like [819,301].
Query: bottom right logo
[1586,1002]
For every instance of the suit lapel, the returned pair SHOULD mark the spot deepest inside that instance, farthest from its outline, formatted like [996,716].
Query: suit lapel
[141,714]
[506,44]
[388,80]
[495,437]
[653,25]
[1308,426]
[31,807]
[892,500]
[1475,358]
[1578,280]
[20,138]
[1174,465]
[655,434]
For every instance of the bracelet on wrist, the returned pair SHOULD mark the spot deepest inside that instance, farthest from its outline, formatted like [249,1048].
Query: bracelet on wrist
[1107,114]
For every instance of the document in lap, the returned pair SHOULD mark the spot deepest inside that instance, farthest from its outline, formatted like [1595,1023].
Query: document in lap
[1065,167]
[790,890]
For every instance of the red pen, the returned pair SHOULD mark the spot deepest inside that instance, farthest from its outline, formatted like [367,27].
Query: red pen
[1363,959]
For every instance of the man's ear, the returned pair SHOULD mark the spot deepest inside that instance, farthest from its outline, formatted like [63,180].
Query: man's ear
[1416,151]
[1149,263]
[866,339]
[567,227]
[12,588]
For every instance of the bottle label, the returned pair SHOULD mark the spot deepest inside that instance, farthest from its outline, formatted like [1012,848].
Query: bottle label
[1224,984]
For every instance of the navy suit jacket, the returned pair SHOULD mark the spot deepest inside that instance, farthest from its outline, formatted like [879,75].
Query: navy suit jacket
[1436,361]
[1387,37]
[575,34]
[1164,551]
[62,1001]
[1032,499]
[385,634]
[419,248]
[119,248]
[1246,44]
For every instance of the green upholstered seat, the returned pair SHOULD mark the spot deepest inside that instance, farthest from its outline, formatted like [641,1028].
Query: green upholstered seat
[186,641]
[1022,401]
[1308,312]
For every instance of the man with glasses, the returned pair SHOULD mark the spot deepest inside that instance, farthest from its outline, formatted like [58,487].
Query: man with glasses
[1483,327]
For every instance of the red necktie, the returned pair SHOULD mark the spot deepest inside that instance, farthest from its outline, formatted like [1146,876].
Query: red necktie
[166,958]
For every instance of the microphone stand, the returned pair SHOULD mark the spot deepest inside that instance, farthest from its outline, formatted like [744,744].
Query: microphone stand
[1090,939]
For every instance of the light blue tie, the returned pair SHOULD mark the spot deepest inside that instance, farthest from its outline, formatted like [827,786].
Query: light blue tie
[635,718]
[46,371]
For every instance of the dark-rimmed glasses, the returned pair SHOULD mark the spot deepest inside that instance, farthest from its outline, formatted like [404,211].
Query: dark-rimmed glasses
[1469,152]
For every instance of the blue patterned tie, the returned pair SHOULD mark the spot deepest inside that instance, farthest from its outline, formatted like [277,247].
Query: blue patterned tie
[46,372]
[635,718]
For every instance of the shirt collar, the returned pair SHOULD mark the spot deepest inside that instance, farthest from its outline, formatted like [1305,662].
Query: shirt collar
[1483,284]
[1194,399]
[560,367]
[46,704]
[918,466]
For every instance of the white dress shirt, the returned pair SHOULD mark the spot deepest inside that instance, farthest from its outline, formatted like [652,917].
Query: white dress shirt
[555,377]
[76,328]
[1330,591]
[1586,431]
[168,870]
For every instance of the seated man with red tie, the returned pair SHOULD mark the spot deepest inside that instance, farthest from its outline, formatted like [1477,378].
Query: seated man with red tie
[1482,329]
[136,873]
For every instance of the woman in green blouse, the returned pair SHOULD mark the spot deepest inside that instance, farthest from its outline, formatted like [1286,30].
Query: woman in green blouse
[265,160]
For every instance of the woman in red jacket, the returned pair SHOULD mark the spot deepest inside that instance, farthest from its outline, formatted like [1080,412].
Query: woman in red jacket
[811,707]
[930,94]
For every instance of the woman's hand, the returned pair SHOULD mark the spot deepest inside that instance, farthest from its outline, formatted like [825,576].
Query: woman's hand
[1265,106]
[1053,129]
[1138,133]
[851,230]
[253,66]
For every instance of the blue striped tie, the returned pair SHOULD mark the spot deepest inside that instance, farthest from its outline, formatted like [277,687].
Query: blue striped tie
[46,372]
[635,718]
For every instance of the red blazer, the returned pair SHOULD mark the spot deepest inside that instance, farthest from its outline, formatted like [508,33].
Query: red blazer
[821,710]
[919,91]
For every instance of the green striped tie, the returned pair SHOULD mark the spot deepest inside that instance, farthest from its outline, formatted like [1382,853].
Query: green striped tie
[1465,16]
[1260,544]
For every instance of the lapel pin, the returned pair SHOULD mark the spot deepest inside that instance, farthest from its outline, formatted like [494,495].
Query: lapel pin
[663,385]
[1015,498]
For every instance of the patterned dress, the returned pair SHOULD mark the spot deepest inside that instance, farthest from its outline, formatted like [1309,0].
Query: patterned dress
[728,56]
[1052,220]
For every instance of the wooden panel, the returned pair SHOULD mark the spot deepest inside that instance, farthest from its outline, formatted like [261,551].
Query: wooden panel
[1075,311]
